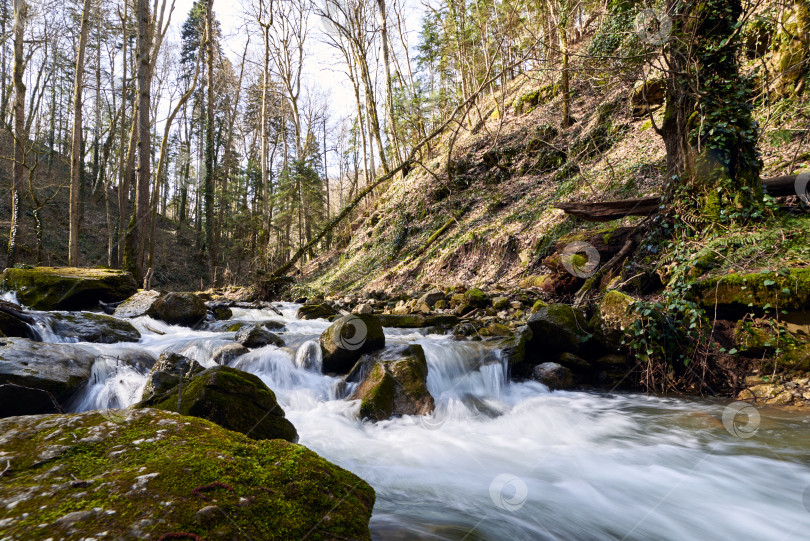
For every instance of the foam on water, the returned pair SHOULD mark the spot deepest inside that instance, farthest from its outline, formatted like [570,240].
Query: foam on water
[500,460]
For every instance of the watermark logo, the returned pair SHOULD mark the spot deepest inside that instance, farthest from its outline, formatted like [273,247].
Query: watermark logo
[508,492]
[800,185]
[432,422]
[581,266]
[653,26]
[351,333]
[116,415]
[741,419]
[333,13]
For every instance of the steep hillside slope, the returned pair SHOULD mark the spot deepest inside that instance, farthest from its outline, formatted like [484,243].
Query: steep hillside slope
[491,220]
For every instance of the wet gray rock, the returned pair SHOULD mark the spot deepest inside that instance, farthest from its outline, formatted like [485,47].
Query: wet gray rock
[553,375]
[257,337]
[169,371]
[92,327]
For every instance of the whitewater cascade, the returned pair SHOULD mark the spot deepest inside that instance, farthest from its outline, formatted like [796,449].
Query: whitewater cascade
[501,460]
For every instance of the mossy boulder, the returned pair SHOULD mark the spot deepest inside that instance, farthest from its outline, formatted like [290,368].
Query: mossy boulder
[231,398]
[92,327]
[557,328]
[612,319]
[735,295]
[103,476]
[396,385]
[170,370]
[179,309]
[137,305]
[67,288]
[513,347]
[347,339]
[476,297]
[501,303]
[221,312]
[316,311]
[257,337]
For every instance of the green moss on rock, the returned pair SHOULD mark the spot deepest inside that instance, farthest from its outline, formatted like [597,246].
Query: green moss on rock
[558,327]
[156,473]
[233,399]
[67,288]
[742,293]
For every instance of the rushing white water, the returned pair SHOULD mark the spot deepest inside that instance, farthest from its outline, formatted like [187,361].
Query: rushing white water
[500,460]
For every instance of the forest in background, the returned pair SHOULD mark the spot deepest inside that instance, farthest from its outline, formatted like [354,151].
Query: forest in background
[102,111]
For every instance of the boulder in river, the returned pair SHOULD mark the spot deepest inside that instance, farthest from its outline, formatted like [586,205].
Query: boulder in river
[257,336]
[12,322]
[67,288]
[514,346]
[231,398]
[170,370]
[92,327]
[228,353]
[137,305]
[396,385]
[558,327]
[179,309]
[414,321]
[553,375]
[316,311]
[347,339]
[117,478]
[59,369]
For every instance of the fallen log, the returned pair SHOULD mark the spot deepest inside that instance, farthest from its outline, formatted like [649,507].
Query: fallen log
[605,211]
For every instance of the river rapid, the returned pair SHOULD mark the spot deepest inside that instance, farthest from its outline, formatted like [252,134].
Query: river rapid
[513,461]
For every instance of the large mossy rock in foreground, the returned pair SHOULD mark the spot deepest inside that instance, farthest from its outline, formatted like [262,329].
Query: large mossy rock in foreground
[156,474]
[347,339]
[233,399]
[67,288]
[396,387]
[92,327]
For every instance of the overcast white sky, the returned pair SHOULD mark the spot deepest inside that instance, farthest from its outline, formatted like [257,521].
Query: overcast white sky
[322,66]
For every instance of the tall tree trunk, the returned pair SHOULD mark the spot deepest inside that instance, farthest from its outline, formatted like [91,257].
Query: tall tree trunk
[265,146]
[210,241]
[565,83]
[389,90]
[123,182]
[20,137]
[77,157]
[144,170]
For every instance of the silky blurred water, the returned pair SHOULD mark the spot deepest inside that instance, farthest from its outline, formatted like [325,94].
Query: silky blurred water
[501,460]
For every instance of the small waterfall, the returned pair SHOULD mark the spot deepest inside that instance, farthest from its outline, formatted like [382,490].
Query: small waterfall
[457,369]
[114,384]
[309,356]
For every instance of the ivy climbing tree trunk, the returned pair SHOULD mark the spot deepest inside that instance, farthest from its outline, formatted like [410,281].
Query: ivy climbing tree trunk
[20,137]
[708,130]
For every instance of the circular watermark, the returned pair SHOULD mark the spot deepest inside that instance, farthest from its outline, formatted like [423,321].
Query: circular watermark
[653,26]
[333,13]
[741,419]
[574,262]
[351,333]
[432,421]
[800,185]
[508,492]
[116,415]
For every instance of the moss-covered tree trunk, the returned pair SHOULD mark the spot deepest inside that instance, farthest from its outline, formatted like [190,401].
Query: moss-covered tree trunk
[708,129]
